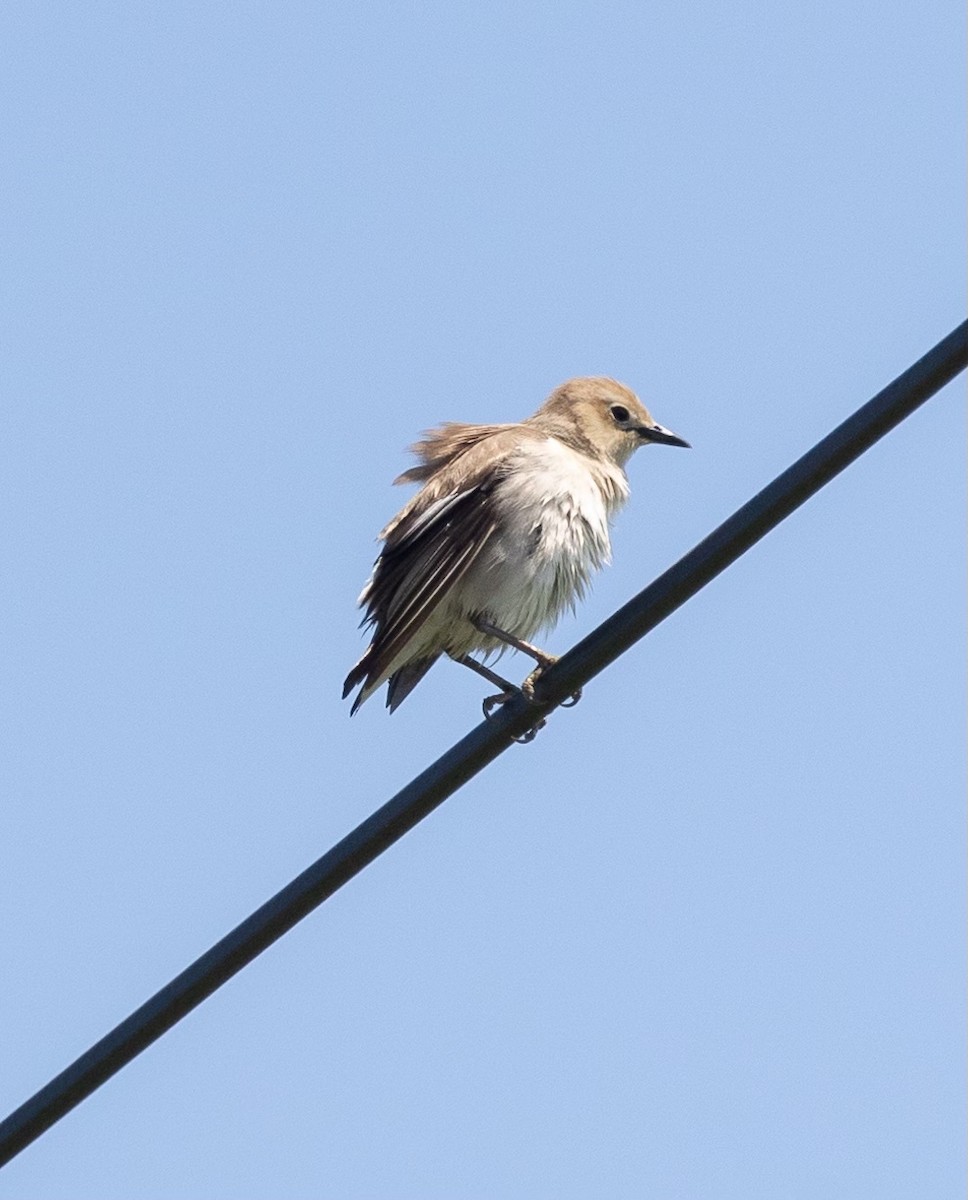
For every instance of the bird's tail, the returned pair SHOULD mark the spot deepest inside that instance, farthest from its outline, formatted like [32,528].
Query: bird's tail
[406,679]
[401,682]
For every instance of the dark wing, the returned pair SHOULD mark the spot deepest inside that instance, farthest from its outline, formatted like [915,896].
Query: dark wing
[424,557]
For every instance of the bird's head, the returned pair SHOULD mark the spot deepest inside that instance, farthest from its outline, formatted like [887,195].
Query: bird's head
[602,417]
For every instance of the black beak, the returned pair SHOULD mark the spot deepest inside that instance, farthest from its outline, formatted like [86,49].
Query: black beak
[658,433]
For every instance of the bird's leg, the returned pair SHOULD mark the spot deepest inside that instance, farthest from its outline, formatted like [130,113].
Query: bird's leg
[508,690]
[541,657]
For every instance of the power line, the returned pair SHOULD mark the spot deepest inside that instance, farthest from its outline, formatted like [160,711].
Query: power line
[483,744]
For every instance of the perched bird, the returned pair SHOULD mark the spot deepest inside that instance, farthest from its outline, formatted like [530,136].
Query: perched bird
[505,533]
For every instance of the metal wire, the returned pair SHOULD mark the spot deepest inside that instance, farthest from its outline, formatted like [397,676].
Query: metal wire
[483,744]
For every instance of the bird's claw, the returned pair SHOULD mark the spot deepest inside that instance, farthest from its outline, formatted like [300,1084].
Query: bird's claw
[490,703]
[530,734]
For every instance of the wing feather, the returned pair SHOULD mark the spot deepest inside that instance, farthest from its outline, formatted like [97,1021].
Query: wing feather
[423,559]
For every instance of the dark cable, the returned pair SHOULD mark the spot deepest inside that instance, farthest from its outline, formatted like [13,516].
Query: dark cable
[483,744]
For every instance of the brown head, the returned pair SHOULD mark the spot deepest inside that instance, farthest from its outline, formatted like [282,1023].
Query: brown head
[601,418]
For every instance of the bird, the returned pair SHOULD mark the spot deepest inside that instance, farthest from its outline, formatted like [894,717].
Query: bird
[504,535]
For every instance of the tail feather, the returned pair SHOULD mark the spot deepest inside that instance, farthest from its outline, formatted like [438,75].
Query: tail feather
[368,676]
[360,675]
[403,682]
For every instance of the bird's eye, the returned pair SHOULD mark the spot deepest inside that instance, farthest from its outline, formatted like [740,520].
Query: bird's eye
[620,414]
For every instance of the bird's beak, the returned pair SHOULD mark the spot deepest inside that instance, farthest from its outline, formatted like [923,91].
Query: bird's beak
[659,433]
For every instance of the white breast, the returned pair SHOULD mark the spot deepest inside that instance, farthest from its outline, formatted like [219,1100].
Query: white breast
[554,509]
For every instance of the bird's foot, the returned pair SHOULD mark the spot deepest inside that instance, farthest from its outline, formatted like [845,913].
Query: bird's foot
[546,661]
[508,690]
[493,702]
[541,657]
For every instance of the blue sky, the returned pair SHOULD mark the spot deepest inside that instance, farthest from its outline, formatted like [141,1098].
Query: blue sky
[705,935]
